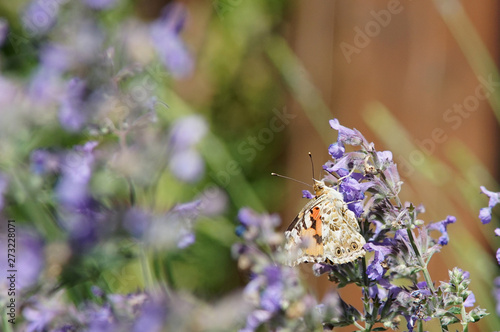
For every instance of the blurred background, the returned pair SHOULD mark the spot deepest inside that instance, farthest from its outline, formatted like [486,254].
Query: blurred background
[418,78]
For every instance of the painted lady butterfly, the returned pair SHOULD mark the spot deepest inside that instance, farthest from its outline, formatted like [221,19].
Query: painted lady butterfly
[325,231]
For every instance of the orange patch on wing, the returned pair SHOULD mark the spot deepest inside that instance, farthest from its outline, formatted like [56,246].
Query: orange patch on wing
[313,235]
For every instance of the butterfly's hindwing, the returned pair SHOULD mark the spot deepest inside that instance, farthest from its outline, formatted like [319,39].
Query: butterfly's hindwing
[324,231]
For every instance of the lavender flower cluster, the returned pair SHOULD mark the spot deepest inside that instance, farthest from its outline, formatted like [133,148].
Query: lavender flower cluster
[75,130]
[394,280]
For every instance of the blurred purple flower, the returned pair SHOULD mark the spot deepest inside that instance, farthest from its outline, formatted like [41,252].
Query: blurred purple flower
[101,4]
[497,231]
[151,318]
[272,295]
[4,30]
[46,86]
[71,190]
[175,228]
[249,218]
[55,57]
[187,131]
[136,222]
[170,47]
[260,226]
[214,201]
[187,165]
[72,114]
[40,16]
[29,260]
[442,227]
[498,255]
[186,239]
[307,194]
[43,162]
[255,319]
[185,162]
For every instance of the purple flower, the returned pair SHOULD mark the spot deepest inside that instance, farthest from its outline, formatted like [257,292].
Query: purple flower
[136,222]
[30,259]
[170,47]
[4,29]
[72,113]
[249,218]
[71,190]
[185,162]
[497,231]
[336,150]
[186,240]
[187,165]
[40,16]
[255,319]
[442,227]
[55,57]
[307,194]
[346,135]
[187,131]
[214,201]
[259,226]
[43,162]
[320,268]
[46,86]
[354,193]
[384,157]
[152,317]
[498,256]
[485,213]
[100,4]
[375,270]
[272,293]
[175,228]
[471,299]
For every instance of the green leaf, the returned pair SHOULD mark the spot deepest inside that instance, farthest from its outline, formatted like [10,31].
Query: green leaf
[455,310]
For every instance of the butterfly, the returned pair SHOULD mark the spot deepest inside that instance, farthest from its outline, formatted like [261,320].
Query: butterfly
[325,231]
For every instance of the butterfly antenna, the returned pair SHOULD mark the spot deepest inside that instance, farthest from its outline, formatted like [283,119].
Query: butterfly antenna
[289,178]
[312,163]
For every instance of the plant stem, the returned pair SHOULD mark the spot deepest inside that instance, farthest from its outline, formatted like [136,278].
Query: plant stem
[423,265]
[424,270]
[366,299]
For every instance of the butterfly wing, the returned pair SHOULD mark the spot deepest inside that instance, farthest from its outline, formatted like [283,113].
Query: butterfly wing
[304,236]
[324,231]
[342,241]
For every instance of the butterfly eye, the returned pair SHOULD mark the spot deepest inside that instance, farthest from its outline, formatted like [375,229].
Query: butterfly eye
[338,252]
[354,246]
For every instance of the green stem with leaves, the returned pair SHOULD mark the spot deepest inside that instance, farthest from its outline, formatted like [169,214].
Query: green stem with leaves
[423,267]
